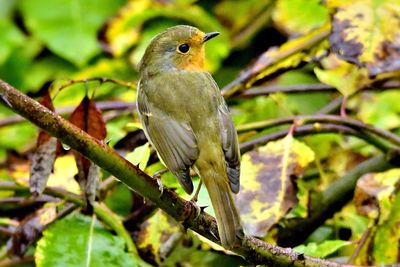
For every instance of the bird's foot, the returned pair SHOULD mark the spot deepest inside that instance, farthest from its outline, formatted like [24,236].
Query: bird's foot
[157,176]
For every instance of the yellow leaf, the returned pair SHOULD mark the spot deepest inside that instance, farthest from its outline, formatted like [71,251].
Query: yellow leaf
[366,32]
[268,191]
[345,77]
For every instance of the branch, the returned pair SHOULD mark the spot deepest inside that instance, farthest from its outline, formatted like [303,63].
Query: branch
[273,60]
[314,129]
[102,105]
[314,88]
[252,249]
[324,206]
[99,80]
[363,130]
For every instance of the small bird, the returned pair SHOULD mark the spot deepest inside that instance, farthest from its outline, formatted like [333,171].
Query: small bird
[188,122]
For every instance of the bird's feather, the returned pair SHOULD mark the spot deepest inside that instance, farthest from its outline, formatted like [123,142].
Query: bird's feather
[174,141]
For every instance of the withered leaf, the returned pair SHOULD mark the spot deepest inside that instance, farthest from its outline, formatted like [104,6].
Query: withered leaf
[367,33]
[377,197]
[269,191]
[374,192]
[154,233]
[42,161]
[30,229]
[42,165]
[88,118]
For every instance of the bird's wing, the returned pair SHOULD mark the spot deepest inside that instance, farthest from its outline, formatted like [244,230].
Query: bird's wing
[230,146]
[229,140]
[174,141]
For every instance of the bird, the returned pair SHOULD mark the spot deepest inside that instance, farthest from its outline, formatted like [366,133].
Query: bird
[187,121]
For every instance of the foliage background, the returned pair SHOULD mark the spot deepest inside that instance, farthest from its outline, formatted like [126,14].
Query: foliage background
[323,53]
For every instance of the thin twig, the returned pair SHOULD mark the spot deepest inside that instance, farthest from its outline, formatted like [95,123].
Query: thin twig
[101,80]
[311,88]
[102,105]
[298,88]
[361,243]
[269,58]
[332,119]
[319,128]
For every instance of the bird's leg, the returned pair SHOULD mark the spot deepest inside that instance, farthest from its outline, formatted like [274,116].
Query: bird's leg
[157,176]
[196,194]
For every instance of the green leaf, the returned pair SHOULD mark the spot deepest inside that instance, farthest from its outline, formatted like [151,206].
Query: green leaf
[20,136]
[70,29]
[14,70]
[367,33]
[10,38]
[70,241]
[296,17]
[301,103]
[140,156]
[268,192]
[321,250]
[7,8]
[47,69]
[120,200]
[381,110]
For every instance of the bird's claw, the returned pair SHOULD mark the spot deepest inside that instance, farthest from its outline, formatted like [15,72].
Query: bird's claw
[157,176]
[198,209]
[160,187]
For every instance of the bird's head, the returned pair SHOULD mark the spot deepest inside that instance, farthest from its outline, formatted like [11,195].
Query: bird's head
[178,48]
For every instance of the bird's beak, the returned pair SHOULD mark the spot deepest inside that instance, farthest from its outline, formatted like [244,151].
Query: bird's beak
[209,36]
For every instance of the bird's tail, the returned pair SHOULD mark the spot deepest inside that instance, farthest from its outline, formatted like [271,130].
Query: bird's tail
[228,220]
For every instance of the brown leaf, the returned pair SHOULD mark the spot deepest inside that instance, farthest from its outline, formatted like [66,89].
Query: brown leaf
[269,191]
[374,193]
[29,230]
[367,33]
[88,118]
[44,156]
[42,165]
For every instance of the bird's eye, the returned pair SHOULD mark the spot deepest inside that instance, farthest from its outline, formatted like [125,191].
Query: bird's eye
[184,48]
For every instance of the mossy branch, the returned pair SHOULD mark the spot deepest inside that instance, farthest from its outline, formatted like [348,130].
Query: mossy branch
[252,249]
